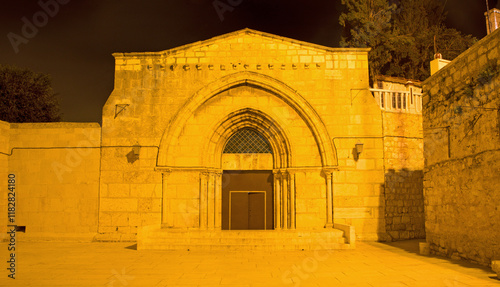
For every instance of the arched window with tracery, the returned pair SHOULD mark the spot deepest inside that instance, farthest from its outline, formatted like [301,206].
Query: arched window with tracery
[247,141]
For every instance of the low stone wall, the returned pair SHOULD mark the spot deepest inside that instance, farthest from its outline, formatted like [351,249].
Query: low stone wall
[462,155]
[57,179]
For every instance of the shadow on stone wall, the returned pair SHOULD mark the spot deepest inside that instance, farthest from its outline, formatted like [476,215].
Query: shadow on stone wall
[404,204]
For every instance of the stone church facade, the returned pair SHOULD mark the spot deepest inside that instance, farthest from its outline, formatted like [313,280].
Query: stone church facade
[243,131]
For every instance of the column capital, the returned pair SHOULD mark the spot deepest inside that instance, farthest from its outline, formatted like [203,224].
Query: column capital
[212,171]
[284,172]
[166,170]
[328,171]
[163,169]
[165,173]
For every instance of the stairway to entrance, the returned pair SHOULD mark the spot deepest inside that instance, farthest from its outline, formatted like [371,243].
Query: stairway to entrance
[157,238]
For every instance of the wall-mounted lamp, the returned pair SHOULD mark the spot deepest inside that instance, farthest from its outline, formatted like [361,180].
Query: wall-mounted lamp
[120,108]
[137,149]
[359,148]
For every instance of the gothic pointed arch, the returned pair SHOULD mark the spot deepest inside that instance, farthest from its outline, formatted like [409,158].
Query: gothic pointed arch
[273,86]
[249,119]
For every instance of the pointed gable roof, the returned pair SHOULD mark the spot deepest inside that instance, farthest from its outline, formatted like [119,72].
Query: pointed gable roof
[246,36]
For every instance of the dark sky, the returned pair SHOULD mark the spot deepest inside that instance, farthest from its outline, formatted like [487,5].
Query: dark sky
[75,45]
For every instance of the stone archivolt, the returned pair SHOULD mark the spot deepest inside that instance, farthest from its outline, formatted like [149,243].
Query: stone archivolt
[274,87]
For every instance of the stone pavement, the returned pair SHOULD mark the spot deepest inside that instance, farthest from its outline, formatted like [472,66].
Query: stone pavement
[119,264]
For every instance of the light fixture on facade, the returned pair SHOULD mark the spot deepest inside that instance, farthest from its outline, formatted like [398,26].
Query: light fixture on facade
[120,108]
[137,149]
[359,148]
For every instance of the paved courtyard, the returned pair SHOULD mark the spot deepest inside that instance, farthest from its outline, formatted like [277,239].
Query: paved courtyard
[119,264]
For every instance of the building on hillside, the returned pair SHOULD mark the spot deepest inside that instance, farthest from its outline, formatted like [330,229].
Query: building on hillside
[245,131]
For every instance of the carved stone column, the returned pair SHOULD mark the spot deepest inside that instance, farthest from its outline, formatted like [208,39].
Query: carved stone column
[218,200]
[167,218]
[277,200]
[329,198]
[203,200]
[211,200]
[284,186]
[292,200]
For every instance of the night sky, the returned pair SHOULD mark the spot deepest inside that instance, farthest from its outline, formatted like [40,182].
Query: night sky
[75,45]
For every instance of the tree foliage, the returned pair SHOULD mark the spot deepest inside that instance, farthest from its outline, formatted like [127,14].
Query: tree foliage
[403,35]
[367,23]
[26,96]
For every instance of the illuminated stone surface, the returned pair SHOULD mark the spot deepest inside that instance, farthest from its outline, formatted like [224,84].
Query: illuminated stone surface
[118,264]
[158,157]
[462,155]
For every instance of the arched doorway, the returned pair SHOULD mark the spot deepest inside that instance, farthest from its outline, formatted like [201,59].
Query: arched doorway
[251,146]
[247,182]
[191,150]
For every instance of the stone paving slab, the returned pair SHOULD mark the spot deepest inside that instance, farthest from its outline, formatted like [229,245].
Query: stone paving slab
[119,264]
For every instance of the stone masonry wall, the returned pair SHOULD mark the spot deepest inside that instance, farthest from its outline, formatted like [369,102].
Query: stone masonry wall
[358,187]
[462,155]
[403,158]
[57,179]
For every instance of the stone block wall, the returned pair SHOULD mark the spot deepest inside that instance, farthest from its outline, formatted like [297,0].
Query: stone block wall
[310,200]
[358,186]
[183,198]
[462,155]
[358,183]
[57,179]
[403,159]
[130,191]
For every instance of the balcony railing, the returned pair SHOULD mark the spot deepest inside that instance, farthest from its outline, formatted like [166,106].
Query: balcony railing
[398,101]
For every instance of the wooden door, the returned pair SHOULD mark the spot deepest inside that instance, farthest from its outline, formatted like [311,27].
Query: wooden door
[247,200]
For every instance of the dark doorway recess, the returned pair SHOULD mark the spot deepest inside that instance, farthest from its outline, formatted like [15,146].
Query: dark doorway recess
[247,200]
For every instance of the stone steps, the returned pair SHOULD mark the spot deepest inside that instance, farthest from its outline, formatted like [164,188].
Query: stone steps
[231,241]
[242,247]
[211,240]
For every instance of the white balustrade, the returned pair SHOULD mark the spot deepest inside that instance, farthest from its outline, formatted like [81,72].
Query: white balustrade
[398,101]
